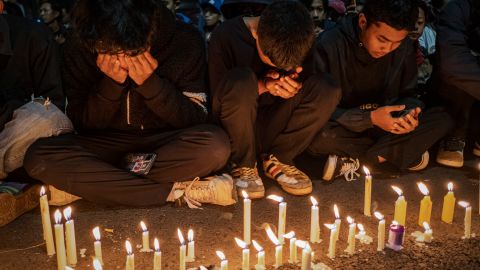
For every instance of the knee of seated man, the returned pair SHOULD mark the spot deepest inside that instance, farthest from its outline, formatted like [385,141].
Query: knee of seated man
[322,86]
[35,162]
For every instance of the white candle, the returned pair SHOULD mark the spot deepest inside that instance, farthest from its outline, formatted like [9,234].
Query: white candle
[97,265]
[145,238]
[247,215]
[245,254]
[351,236]
[223,260]
[306,254]
[260,256]
[381,231]
[157,257]
[278,247]
[333,240]
[427,235]
[130,263]
[282,215]
[368,193]
[46,223]
[97,245]
[70,235]
[467,220]
[314,222]
[191,247]
[60,241]
[293,247]
[338,221]
[183,251]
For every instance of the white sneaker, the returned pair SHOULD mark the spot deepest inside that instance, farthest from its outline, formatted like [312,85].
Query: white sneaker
[422,164]
[341,166]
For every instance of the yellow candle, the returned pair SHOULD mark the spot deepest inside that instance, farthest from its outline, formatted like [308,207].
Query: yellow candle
[368,193]
[46,223]
[70,235]
[97,265]
[381,231]
[306,254]
[130,263]
[351,236]
[183,251]
[293,247]
[245,254]
[467,220]
[425,205]
[247,215]
[97,245]
[260,256]
[314,222]
[282,215]
[157,257]
[400,214]
[145,238]
[427,235]
[223,260]
[338,221]
[333,240]
[60,241]
[191,247]
[448,205]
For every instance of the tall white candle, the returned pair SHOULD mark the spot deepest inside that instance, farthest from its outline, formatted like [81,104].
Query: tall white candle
[97,265]
[191,247]
[338,221]
[70,235]
[245,254]
[293,247]
[278,247]
[97,244]
[467,220]
[130,263]
[223,260]
[314,222]
[306,254]
[46,223]
[157,257]
[60,241]
[260,256]
[145,238]
[333,240]
[381,231]
[183,250]
[247,215]
[368,193]
[351,236]
[282,215]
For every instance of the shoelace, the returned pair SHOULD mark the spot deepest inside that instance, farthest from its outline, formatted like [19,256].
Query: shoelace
[454,144]
[194,194]
[349,169]
[248,174]
[292,171]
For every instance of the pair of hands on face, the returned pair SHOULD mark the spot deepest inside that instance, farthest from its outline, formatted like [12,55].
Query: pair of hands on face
[283,86]
[382,118]
[118,67]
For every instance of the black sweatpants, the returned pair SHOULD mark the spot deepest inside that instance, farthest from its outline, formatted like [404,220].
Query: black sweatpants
[459,104]
[87,165]
[399,150]
[267,124]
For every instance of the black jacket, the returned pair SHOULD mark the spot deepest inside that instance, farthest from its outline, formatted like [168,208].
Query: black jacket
[174,96]
[458,34]
[29,65]
[366,82]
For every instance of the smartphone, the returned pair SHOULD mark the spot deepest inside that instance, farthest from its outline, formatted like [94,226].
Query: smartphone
[402,113]
[139,164]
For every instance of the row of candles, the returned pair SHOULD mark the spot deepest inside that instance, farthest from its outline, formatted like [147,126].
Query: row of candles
[66,247]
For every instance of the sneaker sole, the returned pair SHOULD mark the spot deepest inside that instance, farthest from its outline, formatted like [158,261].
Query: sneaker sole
[449,163]
[11,207]
[296,191]
[327,169]
[423,164]
[252,195]
[476,152]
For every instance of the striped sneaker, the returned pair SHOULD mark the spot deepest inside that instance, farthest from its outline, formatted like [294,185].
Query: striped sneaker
[291,179]
[247,179]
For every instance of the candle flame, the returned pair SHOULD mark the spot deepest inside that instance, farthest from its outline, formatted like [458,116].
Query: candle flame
[97,265]
[244,194]
[240,243]
[272,236]
[42,191]
[450,186]
[350,220]
[289,235]
[180,237]
[144,227]
[96,233]
[423,188]
[463,204]
[156,245]
[360,227]
[395,223]
[190,235]
[203,267]
[67,213]
[330,226]
[301,244]
[128,246]
[366,170]
[379,215]
[58,217]
[398,190]
[314,201]
[335,210]
[257,246]
[221,255]
[426,226]
[275,198]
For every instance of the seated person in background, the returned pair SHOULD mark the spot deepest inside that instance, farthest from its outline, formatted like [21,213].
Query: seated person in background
[266,96]
[248,8]
[26,71]
[213,16]
[51,14]
[457,74]
[378,120]
[135,84]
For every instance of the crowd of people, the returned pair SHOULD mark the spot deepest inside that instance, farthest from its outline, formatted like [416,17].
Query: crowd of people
[145,102]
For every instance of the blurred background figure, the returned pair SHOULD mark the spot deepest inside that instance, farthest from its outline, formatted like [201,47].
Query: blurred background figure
[246,8]
[190,12]
[213,15]
[170,4]
[51,14]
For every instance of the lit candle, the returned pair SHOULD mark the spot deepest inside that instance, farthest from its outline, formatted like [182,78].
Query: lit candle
[314,222]
[247,216]
[145,238]
[191,247]
[130,263]
[338,221]
[467,220]
[260,256]
[223,260]
[203,267]
[351,236]
[282,215]
[333,240]
[245,254]
[70,237]
[400,207]
[97,265]
[293,247]
[362,235]
[306,254]
[157,257]
[183,250]
[368,193]
[427,235]
[448,205]
[425,205]
[46,223]
[60,241]
[278,247]
[97,245]
[381,231]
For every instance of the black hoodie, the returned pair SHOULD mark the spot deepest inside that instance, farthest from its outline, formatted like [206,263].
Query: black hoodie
[366,82]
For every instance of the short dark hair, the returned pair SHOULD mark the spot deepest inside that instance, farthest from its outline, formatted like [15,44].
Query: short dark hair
[399,14]
[112,26]
[286,33]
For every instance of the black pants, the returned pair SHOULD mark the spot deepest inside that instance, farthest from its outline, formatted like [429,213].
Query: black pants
[267,124]
[88,165]
[399,150]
